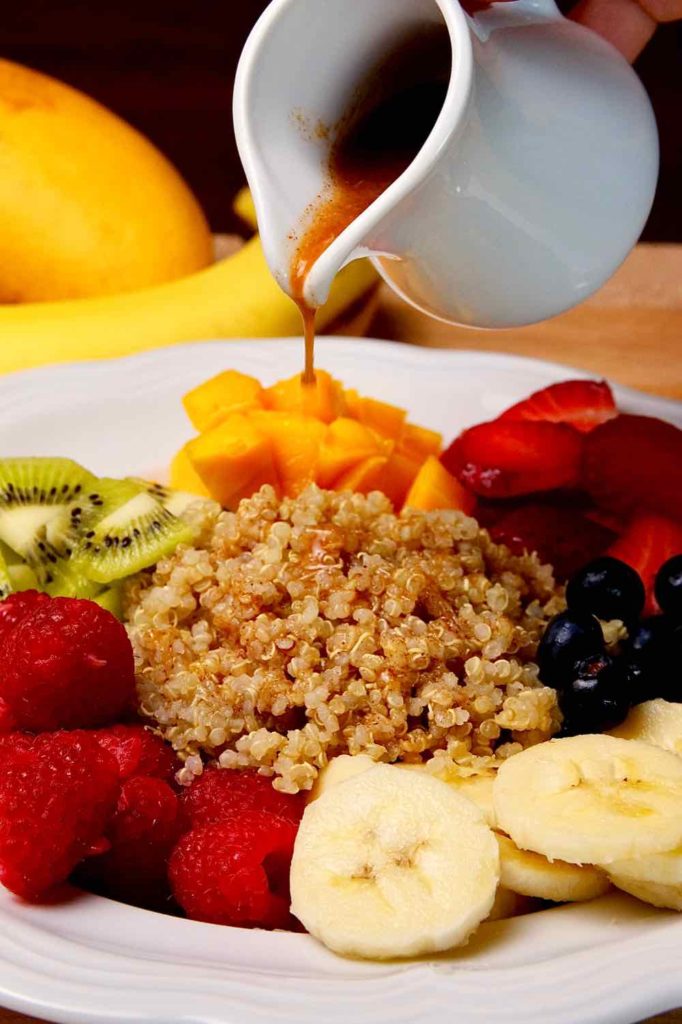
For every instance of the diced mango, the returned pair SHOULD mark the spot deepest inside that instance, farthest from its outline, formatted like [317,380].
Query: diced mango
[233,459]
[346,444]
[398,476]
[420,442]
[387,419]
[324,399]
[296,441]
[219,397]
[435,488]
[364,477]
[184,477]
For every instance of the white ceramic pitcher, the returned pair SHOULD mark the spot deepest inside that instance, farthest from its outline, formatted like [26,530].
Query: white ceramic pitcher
[531,188]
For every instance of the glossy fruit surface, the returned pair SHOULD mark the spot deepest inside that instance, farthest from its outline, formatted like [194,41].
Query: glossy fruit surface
[668,586]
[507,458]
[632,463]
[608,588]
[648,541]
[582,404]
[569,639]
[598,697]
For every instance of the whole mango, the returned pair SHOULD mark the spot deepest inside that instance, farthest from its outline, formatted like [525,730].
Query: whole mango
[88,206]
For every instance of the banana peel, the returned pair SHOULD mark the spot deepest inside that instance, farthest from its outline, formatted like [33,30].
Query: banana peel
[245,208]
[236,297]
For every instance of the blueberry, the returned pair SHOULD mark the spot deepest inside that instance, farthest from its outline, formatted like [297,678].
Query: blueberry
[668,587]
[607,588]
[649,640]
[598,698]
[654,652]
[639,682]
[569,638]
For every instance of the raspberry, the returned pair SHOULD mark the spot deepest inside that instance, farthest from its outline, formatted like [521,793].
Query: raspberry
[236,872]
[57,794]
[17,606]
[219,794]
[138,751]
[144,829]
[66,663]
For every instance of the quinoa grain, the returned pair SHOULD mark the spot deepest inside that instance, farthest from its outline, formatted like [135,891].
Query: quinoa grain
[300,629]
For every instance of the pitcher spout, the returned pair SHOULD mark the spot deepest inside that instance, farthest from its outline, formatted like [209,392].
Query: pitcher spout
[306,72]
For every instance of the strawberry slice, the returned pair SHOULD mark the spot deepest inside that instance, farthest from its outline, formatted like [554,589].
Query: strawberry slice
[505,458]
[635,462]
[562,536]
[648,542]
[582,404]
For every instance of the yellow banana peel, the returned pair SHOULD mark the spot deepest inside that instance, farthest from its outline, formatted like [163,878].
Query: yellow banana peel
[245,208]
[234,298]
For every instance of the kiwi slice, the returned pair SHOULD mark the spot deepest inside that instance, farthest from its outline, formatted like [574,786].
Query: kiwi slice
[42,504]
[6,587]
[176,502]
[22,577]
[130,532]
[111,598]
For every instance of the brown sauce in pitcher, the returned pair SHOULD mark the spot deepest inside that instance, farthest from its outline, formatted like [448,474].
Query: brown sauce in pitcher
[384,129]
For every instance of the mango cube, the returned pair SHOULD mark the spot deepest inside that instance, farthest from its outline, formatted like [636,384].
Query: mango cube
[346,444]
[435,488]
[184,477]
[219,397]
[324,399]
[295,443]
[420,442]
[233,460]
[386,419]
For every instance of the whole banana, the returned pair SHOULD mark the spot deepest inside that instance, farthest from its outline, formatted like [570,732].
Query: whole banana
[236,297]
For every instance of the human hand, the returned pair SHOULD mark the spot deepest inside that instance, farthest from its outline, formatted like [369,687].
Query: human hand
[627,24]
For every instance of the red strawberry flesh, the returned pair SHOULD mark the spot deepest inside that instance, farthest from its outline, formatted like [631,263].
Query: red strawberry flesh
[581,404]
[507,458]
[648,542]
[635,462]
[562,536]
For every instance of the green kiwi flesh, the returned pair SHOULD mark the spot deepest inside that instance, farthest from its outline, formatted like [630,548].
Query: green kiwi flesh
[112,600]
[6,587]
[42,504]
[22,577]
[134,532]
[176,502]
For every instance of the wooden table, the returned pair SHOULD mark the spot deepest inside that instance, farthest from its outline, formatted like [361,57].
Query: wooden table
[630,332]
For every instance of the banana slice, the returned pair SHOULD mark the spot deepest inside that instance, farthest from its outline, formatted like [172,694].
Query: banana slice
[591,799]
[477,788]
[531,874]
[659,868]
[656,893]
[340,769]
[393,864]
[509,904]
[658,722]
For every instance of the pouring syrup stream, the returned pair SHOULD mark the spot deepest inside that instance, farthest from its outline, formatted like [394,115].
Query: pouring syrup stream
[374,143]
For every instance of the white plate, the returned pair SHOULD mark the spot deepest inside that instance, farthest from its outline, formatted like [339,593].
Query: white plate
[89,960]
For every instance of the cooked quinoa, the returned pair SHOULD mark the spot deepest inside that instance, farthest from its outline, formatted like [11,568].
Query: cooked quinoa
[300,629]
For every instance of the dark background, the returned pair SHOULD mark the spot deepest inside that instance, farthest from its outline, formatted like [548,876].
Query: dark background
[167,66]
